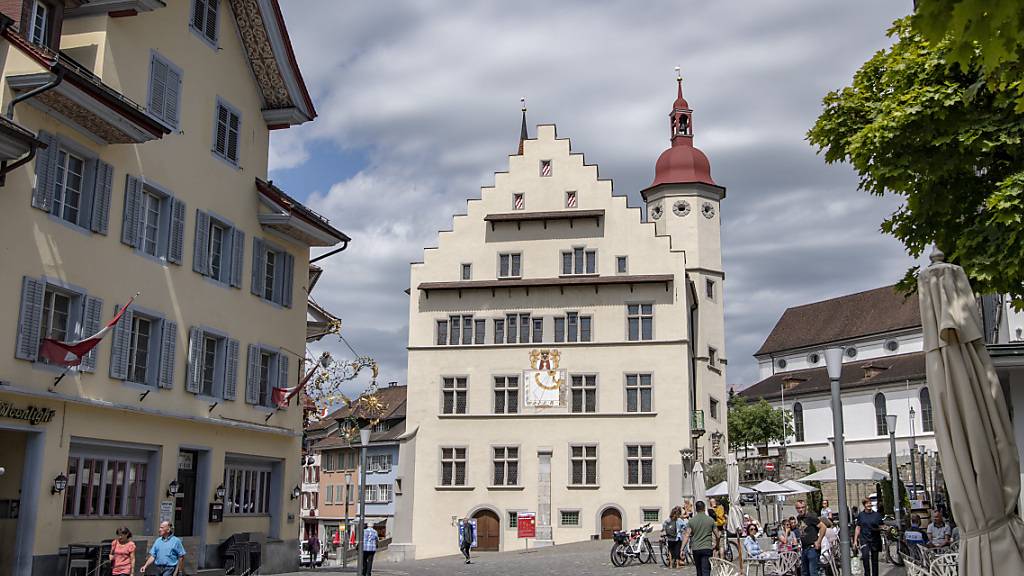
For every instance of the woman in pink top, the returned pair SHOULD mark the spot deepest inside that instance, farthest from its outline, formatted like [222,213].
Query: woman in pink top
[122,553]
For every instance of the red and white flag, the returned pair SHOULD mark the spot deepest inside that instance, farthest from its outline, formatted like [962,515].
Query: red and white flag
[281,396]
[71,353]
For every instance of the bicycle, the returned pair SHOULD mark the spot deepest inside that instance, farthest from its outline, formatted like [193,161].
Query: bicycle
[632,544]
[726,547]
[685,556]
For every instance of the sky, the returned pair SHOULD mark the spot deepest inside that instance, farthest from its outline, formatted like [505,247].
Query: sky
[418,106]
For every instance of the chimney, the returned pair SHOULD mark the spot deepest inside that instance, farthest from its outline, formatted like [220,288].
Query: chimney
[392,384]
[872,370]
[791,382]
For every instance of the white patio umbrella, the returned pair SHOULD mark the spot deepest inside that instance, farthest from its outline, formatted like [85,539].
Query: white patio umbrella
[699,490]
[722,488]
[855,471]
[769,488]
[735,521]
[972,427]
[799,487]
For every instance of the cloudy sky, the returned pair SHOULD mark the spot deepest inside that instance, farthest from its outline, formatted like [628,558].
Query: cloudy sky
[419,106]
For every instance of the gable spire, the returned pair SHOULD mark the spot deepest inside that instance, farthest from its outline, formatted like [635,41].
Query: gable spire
[523,134]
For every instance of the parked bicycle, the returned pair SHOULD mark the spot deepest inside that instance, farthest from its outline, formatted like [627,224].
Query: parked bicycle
[726,547]
[633,544]
[666,557]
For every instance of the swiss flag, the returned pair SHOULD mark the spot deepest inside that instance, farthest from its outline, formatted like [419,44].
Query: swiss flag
[71,353]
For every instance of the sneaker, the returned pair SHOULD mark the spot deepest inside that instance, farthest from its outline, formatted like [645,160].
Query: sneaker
[468,562]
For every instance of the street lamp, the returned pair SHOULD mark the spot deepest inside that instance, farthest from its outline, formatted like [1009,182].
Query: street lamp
[364,440]
[913,465]
[890,422]
[834,364]
[348,499]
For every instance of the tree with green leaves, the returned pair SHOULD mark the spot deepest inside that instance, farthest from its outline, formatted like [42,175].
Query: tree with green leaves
[757,424]
[814,499]
[936,120]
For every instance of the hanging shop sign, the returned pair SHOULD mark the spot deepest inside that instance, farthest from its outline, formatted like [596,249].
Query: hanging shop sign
[544,380]
[31,414]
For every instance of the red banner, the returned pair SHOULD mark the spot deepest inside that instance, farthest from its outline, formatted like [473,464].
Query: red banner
[527,524]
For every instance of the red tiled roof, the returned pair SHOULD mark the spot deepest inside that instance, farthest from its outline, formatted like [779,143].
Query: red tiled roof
[862,374]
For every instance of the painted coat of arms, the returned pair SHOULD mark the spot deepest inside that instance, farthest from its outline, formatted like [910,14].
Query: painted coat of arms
[544,380]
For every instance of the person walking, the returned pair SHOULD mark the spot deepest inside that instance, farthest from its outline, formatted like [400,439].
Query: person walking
[313,545]
[672,529]
[812,532]
[167,553]
[701,528]
[466,537]
[717,513]
[826,510]
[369,549]
[122,553]
[868,537]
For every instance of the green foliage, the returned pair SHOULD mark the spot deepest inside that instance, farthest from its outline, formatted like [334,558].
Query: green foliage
[885,494]
[925,121]
[756,424]
[714,473]
[990,29]
[813,498]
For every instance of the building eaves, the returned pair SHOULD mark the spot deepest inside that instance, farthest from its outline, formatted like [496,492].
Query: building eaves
[561,281]
[291,217]
[797,383]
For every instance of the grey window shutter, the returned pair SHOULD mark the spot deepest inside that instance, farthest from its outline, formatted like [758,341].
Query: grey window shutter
[259,264]
[90,326]
[211,20]
[252,377]
[46,172]
[282,370]
[168,346]
[231,370]
[120,346]
[158,87]
[30,318]
[103,180]
[132,211]
[201,251]
[198,13]
[288,279]
[237,253]
[171,96]
[195,360]
[176,246]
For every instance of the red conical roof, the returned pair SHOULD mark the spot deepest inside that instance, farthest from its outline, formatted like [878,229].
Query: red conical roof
[682,163]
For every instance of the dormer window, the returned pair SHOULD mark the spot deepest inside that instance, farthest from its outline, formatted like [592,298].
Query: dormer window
[39,31]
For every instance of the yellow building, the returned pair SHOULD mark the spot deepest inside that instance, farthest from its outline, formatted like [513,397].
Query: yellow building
[137,162]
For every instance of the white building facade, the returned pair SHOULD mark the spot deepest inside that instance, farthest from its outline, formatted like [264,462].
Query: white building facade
[553,364]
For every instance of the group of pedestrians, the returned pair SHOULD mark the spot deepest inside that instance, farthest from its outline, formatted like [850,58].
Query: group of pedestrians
[167,554]
[694,530]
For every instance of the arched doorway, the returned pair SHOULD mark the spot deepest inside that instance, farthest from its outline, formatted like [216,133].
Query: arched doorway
[611,521]
[488,529]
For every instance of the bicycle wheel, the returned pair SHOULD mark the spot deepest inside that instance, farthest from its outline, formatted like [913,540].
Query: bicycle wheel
[620,555]
[646,553]
[666,556]
[731,551]
[892,552]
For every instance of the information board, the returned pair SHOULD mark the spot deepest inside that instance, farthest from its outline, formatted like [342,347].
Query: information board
[527,525]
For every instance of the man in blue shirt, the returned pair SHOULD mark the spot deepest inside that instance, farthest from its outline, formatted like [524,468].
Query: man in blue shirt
[167,553]
[369,549]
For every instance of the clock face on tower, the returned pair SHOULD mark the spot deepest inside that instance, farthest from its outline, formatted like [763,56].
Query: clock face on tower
[657,211]
[708,210]
[681,208]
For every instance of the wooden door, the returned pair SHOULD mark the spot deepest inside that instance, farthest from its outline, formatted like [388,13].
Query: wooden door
[487,530]
[611,521]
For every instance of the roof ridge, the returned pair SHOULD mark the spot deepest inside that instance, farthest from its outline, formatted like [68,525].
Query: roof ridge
[798,306]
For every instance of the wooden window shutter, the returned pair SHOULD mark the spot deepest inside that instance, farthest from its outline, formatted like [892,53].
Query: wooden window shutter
[46,172]
[102,184]
[220,144]
[201,252]
[172,96]
[195,360]
[132,211]
[210,28]
[231,370]
[198,14]
[237,253]
[30,318]
[91,325]
[252,376]
[158,87]
[234,127]
[176,246]
[120,346]
[288,278]
[259,264]
[168,347]
[282,370]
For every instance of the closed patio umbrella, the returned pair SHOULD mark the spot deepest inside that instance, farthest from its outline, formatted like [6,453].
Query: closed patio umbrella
[699,490]
[972,427]
[735,521]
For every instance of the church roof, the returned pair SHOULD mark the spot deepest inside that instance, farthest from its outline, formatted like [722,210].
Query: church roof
[861,374]
[844,318]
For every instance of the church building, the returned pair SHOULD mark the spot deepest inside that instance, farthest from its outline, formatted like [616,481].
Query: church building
[566,354]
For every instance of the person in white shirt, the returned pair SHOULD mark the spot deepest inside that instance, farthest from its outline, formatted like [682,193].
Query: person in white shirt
[939,533]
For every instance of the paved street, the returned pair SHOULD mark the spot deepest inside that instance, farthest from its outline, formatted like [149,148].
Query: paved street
[580,559]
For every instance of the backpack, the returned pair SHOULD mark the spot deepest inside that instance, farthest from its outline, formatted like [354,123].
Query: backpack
[668,528]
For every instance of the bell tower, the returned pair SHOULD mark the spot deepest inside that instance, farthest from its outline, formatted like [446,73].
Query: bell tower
[683,202]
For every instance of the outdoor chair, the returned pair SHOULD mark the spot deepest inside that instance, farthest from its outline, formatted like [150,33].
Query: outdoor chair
[925,554]
[785,564]
[721,567]
[945,565]
[913,567]
[954,547]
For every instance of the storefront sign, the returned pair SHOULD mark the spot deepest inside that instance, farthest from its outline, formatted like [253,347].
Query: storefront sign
[526,522]
[166,511]
[30,414]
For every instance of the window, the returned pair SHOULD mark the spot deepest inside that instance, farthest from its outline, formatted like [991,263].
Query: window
[798,421]
[499,331]
[329,495]
[454,395]
[378,493]
[881,426]
[927,424]
[227,125]
[67,196]
[72,185]
[559,329]
[652,514]
[150,223]
[579,261]
[106,484]
[713,357]
[378,463]
[538,330]
[57,312]
[138,352]
[638,393]
[247,487]
[268,369]
[621,265]
[453,466]
[892,345]
[506,394]
[39,32]
[518,327]
[467,271]
[518,201]
[640,318]
[273,273]
[851,352]
[212,364]
[513,520]
[204,19]
[154,222]
[782,363]
[459,330]
[545,168]
[573,328]
[813,358]
[583,392]
[56,315]
[164,90]
[569,518]
[583,464]
[506,466]
[570,199]
[713,408]
[510,265]
[709,288]
[218,251]
[442,333]
[640,464]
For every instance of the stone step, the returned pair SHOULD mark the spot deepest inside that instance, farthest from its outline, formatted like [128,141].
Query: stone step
[210,572]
